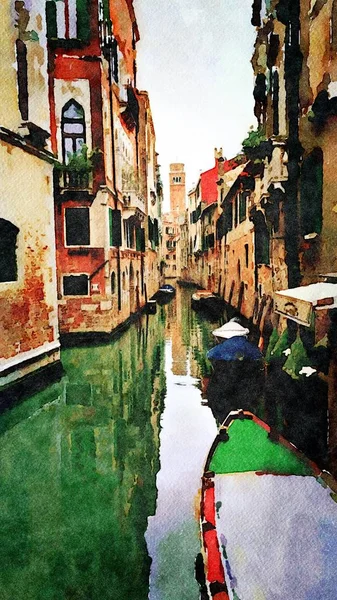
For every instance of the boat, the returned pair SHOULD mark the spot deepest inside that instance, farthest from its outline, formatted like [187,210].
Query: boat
[206,301]
[233,344]
[164,295]
[238,376]
[268,518]
[151,307]
[167,289]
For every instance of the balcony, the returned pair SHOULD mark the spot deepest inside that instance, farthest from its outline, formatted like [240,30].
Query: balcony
[76,180]
[77,176]
[133,201]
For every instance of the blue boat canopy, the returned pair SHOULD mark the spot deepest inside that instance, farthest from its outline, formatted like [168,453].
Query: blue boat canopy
[235,348]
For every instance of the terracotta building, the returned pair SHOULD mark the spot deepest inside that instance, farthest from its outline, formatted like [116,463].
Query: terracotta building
[28,301]
[208,261]
[103,194]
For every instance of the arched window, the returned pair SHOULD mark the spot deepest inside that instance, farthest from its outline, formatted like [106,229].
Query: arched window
[333,27]
[73,129]
[8,264]
[113,282]
[262,238]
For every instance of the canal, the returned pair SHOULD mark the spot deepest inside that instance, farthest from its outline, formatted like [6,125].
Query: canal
[100,471]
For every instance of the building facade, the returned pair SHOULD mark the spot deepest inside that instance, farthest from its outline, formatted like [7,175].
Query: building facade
[28,300]
[106,205]
[81,235]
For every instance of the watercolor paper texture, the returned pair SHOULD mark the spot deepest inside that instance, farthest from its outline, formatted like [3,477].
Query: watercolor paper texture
[168,299]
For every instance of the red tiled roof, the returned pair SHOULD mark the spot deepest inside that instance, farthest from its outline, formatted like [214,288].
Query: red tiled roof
[208,179]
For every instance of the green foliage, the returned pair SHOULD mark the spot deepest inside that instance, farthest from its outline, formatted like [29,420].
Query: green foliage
[280,346]
[271,345]
[80,162]
[297,359]
[254,138]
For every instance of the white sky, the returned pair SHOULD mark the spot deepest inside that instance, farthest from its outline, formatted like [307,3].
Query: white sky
[194,60]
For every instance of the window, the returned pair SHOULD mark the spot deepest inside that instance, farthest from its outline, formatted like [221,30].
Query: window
[236,210]
[77,226]
[311,190]
[333,27]
[76,285]
[156,232]
[22,75]
[262,238]
[113,282]
[228,211]
[73,129]
[246,255]
[114,62]
[69,19]
[8,264]
[275,100]
[115,227]
[242,199]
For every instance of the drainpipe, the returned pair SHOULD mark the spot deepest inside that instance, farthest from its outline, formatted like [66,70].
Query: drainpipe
[113,150]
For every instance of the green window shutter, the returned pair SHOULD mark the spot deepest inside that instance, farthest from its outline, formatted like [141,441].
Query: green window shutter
[150,229]
[312,193]
[142,248]
[115,227]
[138,239]
[156,233]
[83,20]
[51,19]
[110,226]
[106,15]
[242,207]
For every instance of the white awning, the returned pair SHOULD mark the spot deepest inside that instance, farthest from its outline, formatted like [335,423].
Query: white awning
[298,303]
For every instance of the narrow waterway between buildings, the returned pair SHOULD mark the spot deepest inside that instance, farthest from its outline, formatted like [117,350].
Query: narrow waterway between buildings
[100,472]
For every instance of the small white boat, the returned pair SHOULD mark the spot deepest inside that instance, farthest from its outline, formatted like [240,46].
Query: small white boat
[205,300]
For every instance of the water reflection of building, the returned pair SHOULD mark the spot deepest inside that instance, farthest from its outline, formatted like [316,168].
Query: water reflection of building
[190,335]
[175,327]
[79,462]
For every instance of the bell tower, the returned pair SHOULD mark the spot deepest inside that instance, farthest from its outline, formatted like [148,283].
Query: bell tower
[177,188]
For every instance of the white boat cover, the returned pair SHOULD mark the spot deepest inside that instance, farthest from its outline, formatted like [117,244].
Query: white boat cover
[277,537]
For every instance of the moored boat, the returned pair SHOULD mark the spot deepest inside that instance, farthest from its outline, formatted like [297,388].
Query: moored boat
[268,518]
[151,307]
[205,300]
[164,295]
[166,289]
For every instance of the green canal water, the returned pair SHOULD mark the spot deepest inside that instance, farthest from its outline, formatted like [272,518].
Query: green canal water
[100,471]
